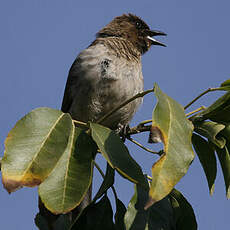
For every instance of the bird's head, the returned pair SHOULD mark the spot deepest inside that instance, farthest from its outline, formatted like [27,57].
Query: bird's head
[134,29]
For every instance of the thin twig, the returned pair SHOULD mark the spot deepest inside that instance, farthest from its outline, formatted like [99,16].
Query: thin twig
[139,129]
[141,146]
[142,94]
[144,122]
[80,123]
[202,94]
[103,175]
[195,111]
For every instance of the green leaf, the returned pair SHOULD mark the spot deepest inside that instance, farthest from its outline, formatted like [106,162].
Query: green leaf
[116,153]
[219,111]
[175,131]
[224,158]
[34,146]
[69,181]
[107,182]
[183,211]
[41,222]
[226,83]
[96,216]
[211,130]
[207,159]
[226,131]
[119,215]
[158,216]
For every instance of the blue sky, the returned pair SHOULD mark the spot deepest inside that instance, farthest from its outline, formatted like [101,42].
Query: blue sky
[40,39]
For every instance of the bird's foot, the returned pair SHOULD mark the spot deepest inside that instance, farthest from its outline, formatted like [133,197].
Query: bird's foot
[123,131]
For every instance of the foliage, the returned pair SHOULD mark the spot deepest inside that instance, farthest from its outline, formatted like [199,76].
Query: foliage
[48,149]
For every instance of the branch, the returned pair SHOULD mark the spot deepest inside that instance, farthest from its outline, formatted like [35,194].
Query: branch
[142,94]
[139,129]
[195,111]
[81,123]
[141,146]
[202,94]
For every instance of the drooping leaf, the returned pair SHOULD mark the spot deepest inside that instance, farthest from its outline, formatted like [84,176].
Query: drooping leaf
[107,182]
[34,146]
[224,158]
[219,111]
[69,181]
[119,215]
[116,153]
[176,131]
[183,211]
[41,222]
[207,159]
[158,217]
[211,130]
[96,216]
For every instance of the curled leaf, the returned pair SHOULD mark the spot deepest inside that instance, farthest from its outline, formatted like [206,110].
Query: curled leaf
[211,130]
[176,130]
[219,111]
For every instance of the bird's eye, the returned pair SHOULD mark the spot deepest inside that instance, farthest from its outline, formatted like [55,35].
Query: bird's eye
[138,25]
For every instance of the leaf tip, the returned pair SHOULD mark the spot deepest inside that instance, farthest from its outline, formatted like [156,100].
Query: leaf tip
[11,185]
[211,191]
[228,193]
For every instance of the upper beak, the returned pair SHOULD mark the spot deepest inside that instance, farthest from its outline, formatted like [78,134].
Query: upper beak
[153,33]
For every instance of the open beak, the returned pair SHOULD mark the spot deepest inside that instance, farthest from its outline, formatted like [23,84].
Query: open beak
[153,33]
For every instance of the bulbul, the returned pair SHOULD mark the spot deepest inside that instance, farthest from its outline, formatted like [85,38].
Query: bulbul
[109,72]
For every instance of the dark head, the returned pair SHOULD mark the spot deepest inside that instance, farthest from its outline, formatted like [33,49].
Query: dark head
[134,29]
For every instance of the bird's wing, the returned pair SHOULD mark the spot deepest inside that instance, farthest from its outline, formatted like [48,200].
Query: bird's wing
[85,70]
[71,80]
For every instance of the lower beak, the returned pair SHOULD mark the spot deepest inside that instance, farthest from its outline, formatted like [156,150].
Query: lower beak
[153,33]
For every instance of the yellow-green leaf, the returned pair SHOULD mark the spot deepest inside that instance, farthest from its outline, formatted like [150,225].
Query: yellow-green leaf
[225,83]
[116,153]
[69,181]
[176,131]
[34,146]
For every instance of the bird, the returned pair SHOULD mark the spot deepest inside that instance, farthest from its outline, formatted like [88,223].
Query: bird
[108,72]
